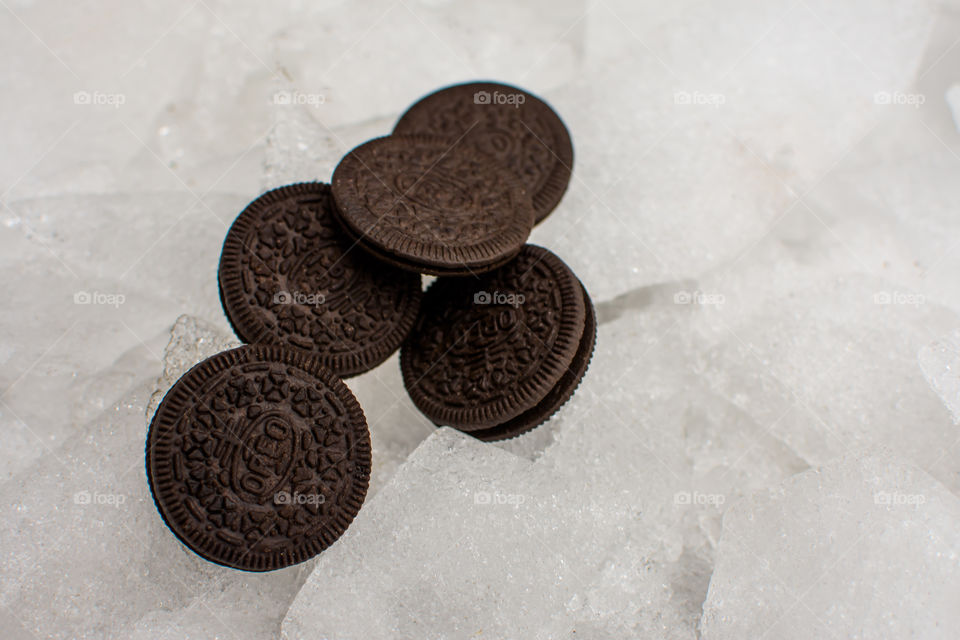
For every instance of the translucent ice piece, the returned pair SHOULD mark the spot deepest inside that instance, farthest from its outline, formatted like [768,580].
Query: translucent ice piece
[864,547]
[89,279]
[831,366]
[940,363]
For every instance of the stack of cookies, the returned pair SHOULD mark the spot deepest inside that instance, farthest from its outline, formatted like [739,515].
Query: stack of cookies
[259,457]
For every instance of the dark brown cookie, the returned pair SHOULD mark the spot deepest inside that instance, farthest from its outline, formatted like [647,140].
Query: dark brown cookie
[289,275]
[517,128]
[560,393]
[496,357]
[432,205]
[258,458]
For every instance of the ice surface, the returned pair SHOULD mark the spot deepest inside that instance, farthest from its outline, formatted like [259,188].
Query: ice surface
[724,129]
[302,148]
[940,362]
[831,367]
[180,98]
[299,148]
[662,190]
[153,106]
[372,592]
[866,547]
[953,100]
[761,70]
[88,279]
[396,426]
[889,207]
[537,44]
[610,531]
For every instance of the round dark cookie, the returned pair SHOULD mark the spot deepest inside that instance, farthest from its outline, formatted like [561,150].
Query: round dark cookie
[517,128]
[258,457]
[432,205]
[483,354]
[559,395]
[288,275]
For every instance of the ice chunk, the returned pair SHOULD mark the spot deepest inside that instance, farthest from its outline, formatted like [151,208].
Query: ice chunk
[864,547]
[664,194]
[396,425]
[798,83]
[89,279]
[175,100]
[181,98]
[536,44]
[694,130]
[953,101]
[299,148]
[940,363]
[831,366]
[937,79]
[191,341]
[420,556]
[610,531]
[888,205]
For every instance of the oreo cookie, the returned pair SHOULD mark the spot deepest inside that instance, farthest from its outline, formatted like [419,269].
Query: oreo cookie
[516,128]
[288,275]
[498,357]
[432,205]
[258,457]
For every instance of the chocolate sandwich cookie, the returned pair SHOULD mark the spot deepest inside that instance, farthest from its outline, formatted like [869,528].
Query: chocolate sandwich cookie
[515,127]
[258,458]
[432,205]
[289,275]
[499,356]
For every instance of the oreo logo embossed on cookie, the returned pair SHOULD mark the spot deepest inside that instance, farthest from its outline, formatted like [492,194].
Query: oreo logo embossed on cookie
[258,457]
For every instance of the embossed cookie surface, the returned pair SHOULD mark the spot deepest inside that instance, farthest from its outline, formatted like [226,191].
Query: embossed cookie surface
[288,275]
[499,355]
[515,127]
[258,458]
[432,205]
